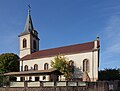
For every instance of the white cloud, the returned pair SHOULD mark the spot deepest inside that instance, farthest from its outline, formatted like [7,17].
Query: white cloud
[111,43]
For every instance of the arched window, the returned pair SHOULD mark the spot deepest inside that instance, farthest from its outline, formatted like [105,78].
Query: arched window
[71,63]
[85,65]
[34,44]
[25,68]
[46,66]
[24,43]
[35,67]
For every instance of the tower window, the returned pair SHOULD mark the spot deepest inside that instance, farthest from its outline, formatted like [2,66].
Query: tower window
[25,68]
[46,66]
[24,43]
[35,67]
[34,44]
[85,65]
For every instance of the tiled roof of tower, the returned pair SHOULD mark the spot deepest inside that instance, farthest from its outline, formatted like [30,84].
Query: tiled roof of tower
[78,48]
[28,26]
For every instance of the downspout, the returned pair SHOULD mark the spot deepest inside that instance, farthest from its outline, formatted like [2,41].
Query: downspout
[98,61]
[93,65]
[22,65]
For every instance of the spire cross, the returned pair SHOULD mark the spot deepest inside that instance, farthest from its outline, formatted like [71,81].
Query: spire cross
[29,7]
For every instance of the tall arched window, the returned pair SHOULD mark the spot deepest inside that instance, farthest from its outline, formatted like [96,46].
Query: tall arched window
[46,66]
[35,67]
[34,44]
[25,68]
[71,63]
[85,65]
[24,43]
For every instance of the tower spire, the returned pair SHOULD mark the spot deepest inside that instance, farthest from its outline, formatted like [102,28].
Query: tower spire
[29,37]
[29,9]
[29,25]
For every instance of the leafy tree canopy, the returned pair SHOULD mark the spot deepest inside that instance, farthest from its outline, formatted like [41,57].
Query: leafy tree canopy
[62,64]
[9,62]
[109,74]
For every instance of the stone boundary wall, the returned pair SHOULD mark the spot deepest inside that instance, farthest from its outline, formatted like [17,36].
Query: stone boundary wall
[46,89]
[91,86]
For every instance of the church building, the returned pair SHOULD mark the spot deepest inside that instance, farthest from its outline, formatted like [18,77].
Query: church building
[35,64]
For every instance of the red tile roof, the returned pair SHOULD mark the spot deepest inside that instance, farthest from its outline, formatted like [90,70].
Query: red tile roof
[78,48]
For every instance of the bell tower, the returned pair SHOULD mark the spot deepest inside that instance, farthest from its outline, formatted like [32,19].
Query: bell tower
[29,41]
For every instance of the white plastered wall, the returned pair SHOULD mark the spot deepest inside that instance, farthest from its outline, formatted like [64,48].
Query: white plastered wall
[27,50]
[78,62]
[95,66]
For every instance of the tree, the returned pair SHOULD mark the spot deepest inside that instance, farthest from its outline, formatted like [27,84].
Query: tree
[109,74]
[61,64]
[9,62]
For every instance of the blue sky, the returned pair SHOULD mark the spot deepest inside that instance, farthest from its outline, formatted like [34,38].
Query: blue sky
[62,23]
